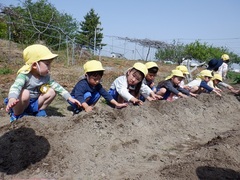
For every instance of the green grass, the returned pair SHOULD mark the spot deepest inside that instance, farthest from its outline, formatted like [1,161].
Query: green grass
[5,71]
[234,77]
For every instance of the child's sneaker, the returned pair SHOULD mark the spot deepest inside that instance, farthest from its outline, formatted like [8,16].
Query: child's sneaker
[14,117]
[41,113]
[76,111]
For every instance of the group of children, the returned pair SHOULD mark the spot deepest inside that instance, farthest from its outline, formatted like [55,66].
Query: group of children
[33,89]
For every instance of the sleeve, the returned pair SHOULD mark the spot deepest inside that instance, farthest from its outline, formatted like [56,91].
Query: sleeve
[104,93]
[205,86]
[193,83]
[220,70]
[145,90]
[224,70]
[17,86]
[223,84]
[210,83]
[184,91]
[169,86]
[121,87]
[59,89]
[79,90]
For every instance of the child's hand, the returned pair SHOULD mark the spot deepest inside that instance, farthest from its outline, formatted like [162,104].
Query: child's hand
[217,92]
[152,85]
[11,103]
[88,108]
[136,101]
[187,88]
[193,95]
[121,105]
[182,95]
[155,96]
[75,101]
[150,98]
[235,91]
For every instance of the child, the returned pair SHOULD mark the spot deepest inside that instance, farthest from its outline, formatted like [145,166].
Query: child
[129,87]
[152,68]
[201,83]
[223,69]
[170,86]
[88,90]
[220,66]
[217,78]
[185,73]
[33,89]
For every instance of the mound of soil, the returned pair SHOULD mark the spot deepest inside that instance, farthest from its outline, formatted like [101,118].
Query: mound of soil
[192,138]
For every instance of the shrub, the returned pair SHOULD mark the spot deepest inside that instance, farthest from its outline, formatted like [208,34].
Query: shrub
[234,77]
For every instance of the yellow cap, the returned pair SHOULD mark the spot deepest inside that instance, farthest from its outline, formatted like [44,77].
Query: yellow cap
[217,76]
[93,65]
[35,53]
[151,65]
[141,67]
[175,72]
[183,69]
[206,72]
[225,57]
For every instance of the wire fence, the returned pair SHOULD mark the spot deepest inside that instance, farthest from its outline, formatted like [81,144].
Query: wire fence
[116,47]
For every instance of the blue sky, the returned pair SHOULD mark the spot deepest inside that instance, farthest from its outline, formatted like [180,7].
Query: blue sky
[212,21]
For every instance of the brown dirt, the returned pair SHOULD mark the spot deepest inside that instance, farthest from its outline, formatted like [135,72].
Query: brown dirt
[193,138]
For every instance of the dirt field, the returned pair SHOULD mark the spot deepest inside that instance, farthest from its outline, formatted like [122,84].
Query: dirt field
[193,138]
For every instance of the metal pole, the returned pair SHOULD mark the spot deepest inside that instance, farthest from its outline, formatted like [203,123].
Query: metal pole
[73,49]
[67,49]
[95,37]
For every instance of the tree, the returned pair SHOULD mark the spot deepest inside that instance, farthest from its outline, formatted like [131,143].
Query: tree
[39,21]
[201,51]
[204,52]
[90,33]
[174,52]
[3,30]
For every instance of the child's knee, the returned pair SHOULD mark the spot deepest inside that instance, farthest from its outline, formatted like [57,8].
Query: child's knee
[51,93]
[25,95]
[161,91]
[194,89]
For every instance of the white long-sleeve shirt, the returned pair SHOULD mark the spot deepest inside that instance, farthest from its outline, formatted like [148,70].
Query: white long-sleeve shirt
[222,70]
[121,86]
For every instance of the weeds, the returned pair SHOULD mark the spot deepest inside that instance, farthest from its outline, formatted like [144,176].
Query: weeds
[5,71]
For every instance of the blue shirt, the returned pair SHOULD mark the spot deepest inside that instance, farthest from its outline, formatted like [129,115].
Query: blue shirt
[204,85]
[171,88]
[83,86]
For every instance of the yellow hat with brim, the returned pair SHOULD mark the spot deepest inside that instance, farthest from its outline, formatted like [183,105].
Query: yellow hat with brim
[35,53]
[141,67]
[225,57]
[151,65]
[93,65]
[175,72]
[183,69]
[217,76]
[206,72]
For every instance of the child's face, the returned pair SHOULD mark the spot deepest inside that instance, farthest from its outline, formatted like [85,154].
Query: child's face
[216,81]
[134,77]
[94,80]
[150,76]
[44,67]
[207,79]
[176,80]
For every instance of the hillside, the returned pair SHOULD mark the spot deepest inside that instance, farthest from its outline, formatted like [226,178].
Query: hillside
[193,138]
